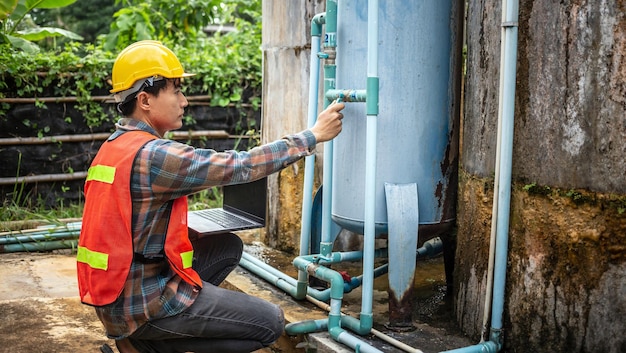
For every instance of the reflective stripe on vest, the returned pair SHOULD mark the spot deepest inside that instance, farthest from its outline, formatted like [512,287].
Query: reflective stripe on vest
[103,173]
[187,259]
[94,259]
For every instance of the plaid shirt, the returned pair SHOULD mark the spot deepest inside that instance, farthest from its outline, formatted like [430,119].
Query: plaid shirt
[163,171]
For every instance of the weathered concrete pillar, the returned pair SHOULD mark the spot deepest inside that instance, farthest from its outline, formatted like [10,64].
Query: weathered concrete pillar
[566,275]
[286,56]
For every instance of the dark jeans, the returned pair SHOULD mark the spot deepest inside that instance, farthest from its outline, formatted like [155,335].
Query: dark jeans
[220,320]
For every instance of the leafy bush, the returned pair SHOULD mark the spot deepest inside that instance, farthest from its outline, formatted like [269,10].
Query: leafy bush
[226,65]
[75,71]
[17,28]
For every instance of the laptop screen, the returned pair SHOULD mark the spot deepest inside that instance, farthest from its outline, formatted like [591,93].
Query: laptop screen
[249,198]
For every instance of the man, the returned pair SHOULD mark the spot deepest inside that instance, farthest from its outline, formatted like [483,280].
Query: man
[154,290]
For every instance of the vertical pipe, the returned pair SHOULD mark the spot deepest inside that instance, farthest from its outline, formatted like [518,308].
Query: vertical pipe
[309,161]
[370,167]
[329,83]
[504,195]
[496,188]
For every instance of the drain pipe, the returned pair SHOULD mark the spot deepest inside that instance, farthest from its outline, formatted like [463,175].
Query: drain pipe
[309,161]
[507,96]
[506,165]
[496,188]
[330,70]
[366,317]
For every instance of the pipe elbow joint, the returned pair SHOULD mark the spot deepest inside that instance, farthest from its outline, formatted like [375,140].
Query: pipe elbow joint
[335,332]
[316,24]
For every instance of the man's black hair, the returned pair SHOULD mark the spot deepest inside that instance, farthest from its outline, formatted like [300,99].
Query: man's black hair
[127,107]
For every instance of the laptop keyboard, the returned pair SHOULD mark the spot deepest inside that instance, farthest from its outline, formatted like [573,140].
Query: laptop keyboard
[222,218]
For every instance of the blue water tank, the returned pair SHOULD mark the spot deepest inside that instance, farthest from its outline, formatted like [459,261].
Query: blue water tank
[419,70]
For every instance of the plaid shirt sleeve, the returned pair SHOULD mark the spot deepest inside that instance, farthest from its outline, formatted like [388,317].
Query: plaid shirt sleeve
[177,169]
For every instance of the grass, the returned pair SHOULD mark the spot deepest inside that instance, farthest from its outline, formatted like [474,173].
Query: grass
[24,215]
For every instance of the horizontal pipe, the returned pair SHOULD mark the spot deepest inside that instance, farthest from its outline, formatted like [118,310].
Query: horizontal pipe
[431,247]
[337,257]
[101,136]
[290,285]
[346,95]
[43,178]
[178,135]
[484,347]
[306,326]
[342,336]
[29,225]
[105,99]
[41,237]
[39,246]
[285,283]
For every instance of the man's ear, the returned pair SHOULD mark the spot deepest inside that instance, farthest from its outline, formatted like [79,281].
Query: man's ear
[143,100]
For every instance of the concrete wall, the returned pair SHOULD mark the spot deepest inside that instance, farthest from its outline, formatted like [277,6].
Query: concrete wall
[566,276]
[286,57]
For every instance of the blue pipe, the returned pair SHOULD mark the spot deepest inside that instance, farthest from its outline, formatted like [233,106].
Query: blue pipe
[290,285]
[484,347]
[342,336]
[366,315]
[326,245]
[347,95]
[307,326]
[40,246]
[329,83]
[39,237]
[309,161]
[504,195]
[43,238]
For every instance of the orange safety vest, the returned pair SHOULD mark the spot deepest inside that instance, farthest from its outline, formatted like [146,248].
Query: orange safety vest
[105,246]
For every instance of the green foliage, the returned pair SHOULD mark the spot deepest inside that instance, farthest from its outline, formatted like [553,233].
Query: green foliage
[87,18]
[75,71]
[170,21]
[18,30]
[227,66]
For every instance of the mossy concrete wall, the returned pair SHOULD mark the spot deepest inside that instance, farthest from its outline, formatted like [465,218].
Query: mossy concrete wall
[566,271]
[286,60]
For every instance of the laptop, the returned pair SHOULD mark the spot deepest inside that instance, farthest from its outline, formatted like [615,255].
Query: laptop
[244,207]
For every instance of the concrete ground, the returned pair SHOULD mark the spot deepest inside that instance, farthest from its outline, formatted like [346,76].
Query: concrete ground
[40,310]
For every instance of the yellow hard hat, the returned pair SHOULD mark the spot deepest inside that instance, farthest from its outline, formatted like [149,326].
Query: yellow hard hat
[144,59]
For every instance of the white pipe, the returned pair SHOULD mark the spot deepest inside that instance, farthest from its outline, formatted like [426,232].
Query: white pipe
[309,161]
[496,189]
[504,202]
[370,165]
